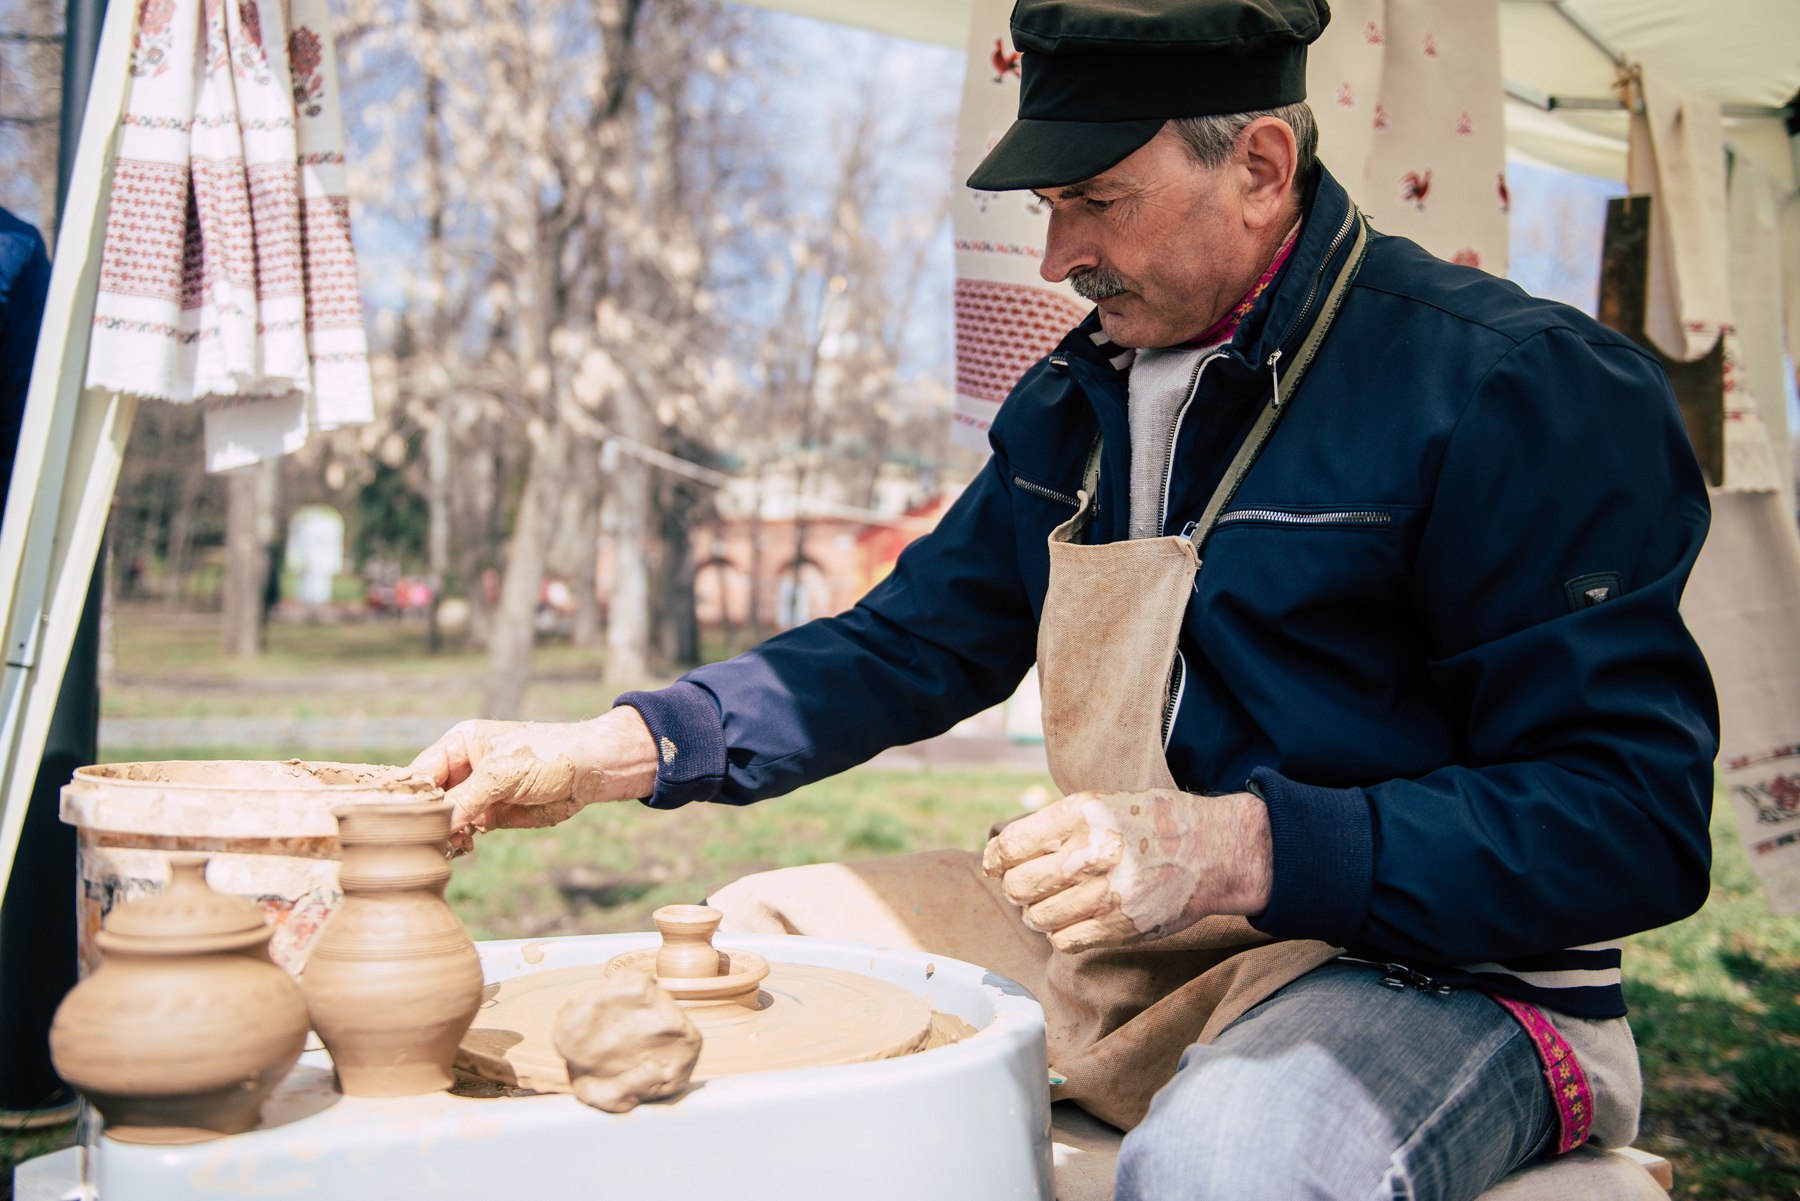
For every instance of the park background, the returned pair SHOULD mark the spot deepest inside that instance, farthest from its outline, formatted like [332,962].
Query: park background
[745,263]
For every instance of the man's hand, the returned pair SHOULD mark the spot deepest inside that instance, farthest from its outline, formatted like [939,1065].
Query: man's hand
[1106,869]
[524,775]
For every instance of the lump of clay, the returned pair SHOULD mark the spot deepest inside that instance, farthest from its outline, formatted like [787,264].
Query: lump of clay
[626,1042]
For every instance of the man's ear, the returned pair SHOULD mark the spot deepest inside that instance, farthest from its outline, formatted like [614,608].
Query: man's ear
[1269,156]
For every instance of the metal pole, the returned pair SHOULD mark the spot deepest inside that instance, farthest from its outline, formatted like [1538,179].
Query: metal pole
[38,927]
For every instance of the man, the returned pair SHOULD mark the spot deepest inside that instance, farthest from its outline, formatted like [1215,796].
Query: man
[1428,701]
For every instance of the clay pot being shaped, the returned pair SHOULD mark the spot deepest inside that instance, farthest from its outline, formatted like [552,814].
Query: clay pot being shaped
[187,1025]
[393,981]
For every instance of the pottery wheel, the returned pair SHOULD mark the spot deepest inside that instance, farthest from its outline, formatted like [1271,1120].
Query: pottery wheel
[803,1017]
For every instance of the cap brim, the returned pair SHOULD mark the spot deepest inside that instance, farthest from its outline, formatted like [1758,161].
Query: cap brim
[1055,154]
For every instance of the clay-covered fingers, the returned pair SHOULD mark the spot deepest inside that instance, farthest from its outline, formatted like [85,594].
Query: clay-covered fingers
[1070,864]
[1083,917]
[1036,834]
[1111,929]
[451,759]
[1079,902]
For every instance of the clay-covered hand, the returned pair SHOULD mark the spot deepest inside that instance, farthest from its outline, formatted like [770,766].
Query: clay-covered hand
[1107,869]
[522,775]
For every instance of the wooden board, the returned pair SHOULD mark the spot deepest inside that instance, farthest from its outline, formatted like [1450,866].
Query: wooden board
[804,1017]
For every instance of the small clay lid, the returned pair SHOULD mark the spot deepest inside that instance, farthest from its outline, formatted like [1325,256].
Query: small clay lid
[187,917]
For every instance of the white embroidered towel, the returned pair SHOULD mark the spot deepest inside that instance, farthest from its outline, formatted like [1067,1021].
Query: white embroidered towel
[228,277]
[1007,317]
[1678,157]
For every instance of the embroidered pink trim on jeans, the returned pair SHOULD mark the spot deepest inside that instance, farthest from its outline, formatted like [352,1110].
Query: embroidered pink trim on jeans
[1568,1083]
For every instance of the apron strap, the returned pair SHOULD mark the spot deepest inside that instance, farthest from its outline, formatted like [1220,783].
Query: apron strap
[1271,413]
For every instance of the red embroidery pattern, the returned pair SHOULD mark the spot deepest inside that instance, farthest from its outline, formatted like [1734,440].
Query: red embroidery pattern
[1774,752]
[144,230]
[1227,325]
[986,247]
[248,227]
[333,298]
[1001,329]
[150,54]
[248,57]
[1569,1090]
[304,57]
[1467,256]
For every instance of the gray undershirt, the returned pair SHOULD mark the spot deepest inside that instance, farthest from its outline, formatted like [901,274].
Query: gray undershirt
[1158,386]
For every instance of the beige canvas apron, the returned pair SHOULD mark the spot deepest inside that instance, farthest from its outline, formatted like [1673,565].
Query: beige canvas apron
[1116,1020]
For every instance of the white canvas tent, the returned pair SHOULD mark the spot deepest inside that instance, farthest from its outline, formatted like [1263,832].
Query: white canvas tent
[1558,58]
[1558,64]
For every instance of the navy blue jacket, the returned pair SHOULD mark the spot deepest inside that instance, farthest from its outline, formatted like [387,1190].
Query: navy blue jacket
[24,280]
[1436,628]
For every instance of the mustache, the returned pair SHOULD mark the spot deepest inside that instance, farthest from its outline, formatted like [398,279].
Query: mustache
[1097,283]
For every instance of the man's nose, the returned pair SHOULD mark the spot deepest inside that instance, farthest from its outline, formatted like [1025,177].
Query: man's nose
[1065,250]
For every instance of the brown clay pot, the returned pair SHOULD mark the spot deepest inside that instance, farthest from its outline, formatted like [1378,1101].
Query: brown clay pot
[393,981]
[187,1025]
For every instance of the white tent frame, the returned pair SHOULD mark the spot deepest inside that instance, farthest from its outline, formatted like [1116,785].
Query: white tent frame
[71,443]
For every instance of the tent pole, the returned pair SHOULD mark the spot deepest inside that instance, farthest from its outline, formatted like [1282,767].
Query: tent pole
[38,924]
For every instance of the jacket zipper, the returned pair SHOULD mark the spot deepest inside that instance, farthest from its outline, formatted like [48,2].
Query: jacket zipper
[1020,481]
[1282,517]
[1177,686]
[1313,292]
[1178,681]
[1162,510]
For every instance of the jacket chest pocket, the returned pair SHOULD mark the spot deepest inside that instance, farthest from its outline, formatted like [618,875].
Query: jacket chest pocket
[1291,563]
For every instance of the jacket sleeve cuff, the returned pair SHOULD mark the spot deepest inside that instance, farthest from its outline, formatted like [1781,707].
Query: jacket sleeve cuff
[1324,859]
[690,742]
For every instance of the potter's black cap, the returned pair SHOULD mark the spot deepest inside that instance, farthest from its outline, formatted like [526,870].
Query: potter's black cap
[1099,77]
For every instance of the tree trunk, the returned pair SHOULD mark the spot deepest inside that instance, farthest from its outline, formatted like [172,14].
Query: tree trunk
[628,617]
[679,636]
[753,616]
[437,462]
[514,629]
[473,500]
[584,630]
[248,516]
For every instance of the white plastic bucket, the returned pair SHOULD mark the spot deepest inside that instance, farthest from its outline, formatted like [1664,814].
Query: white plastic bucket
[267,826]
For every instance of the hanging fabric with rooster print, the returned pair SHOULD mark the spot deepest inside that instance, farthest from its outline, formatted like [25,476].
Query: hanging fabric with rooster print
[1409,99]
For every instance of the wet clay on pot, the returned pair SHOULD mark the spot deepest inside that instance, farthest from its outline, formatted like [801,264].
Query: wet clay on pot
[187,1025]
[393,981]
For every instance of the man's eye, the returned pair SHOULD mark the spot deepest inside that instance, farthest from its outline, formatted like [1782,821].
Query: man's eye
[1098,206]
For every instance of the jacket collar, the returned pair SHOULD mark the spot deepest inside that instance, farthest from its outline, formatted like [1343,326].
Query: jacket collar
[1282,315]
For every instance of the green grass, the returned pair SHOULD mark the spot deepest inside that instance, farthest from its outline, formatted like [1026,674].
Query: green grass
[1715,1004]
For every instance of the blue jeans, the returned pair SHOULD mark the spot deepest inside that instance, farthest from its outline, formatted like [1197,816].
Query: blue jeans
[1340,1087]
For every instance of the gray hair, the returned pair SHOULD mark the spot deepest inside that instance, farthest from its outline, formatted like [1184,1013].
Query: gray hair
[1211,139]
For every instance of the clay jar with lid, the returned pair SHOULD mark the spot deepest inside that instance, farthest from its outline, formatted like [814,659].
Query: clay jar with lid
[187,1025]
[393,981]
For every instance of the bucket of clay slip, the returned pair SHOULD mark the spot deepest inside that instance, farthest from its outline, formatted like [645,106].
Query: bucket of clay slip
[266,825]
